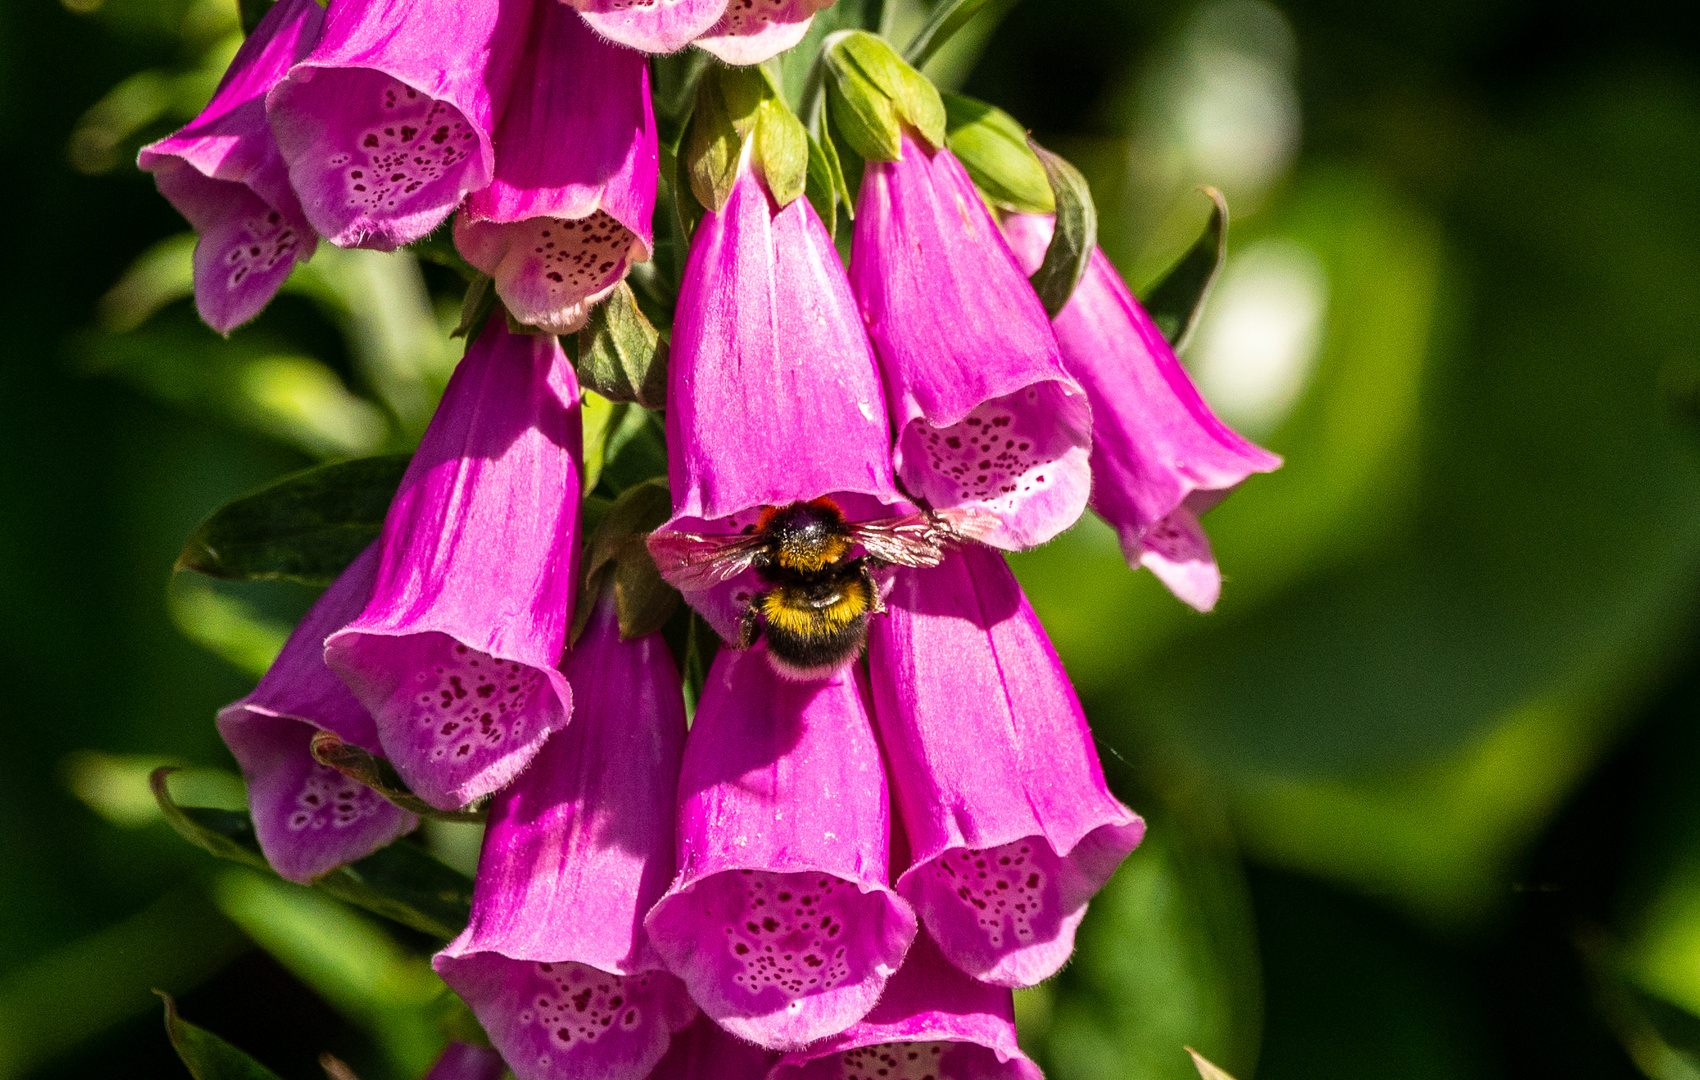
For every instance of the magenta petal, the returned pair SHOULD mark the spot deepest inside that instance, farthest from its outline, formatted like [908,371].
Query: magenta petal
[934,1023]
[986,415]
[780,921]
[1155,443]
[651,26]
[223,172]
[1001,793]
[773,394]
[462,1061]
[705,1051]
[755,30]
[554,961]
[455,654]
[310,819]
[387,124]
[571,204]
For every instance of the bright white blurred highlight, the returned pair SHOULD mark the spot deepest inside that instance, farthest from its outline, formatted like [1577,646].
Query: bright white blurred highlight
[1257,344]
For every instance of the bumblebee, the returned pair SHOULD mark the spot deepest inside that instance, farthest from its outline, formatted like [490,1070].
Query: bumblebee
[817,593]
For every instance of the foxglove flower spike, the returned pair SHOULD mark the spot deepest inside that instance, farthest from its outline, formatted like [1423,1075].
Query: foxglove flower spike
[780,921]
[992,764]
[309,818]
[1160,457]
[456,653]
[555,963]
[224,172]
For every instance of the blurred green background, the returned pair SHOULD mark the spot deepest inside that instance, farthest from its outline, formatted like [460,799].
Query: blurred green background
[1424,791]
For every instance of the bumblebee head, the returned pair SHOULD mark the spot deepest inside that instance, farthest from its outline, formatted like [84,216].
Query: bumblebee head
[806,536]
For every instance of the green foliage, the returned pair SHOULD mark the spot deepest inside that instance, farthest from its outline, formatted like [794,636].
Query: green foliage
[1076,235]
[1177,299]
[620,354]
[207,1056]
[873,94]
[993,148]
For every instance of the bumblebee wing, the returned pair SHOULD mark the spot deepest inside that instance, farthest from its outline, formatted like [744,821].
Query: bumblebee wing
[693,562]
[921,540]
[960,524]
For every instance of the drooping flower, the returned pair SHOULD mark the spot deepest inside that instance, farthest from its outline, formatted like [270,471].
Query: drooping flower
[780,920]
[934,1023]
[1160,457]
[773,395]
[574,191]
[555,962]
[309,818]
[736,31]
[705,1051]
[455,656]
[998,784]
[223,172]
[986,415]
[387,125]
[463,1061]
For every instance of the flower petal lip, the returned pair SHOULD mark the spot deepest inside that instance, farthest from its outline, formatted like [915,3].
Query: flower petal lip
[651,26]
[554,961]
[986,415]
[780,921]
[455,655]
[388,123]
[752,31]
[994,771]
[1160,457]
[932,1021]
[572,200]
[223,171]
[309,818]
[705,1051]
[463,1061]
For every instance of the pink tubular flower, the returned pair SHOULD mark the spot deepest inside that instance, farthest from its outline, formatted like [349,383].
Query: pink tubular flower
[463,1061]
[986,415]
[704,1051]
[1160,457]
[780,921]
[224,173]
[311,819]
[554,962]
[387,124]
[934,1023]
[738,32]
[996,778]
[455,654]
[574,191]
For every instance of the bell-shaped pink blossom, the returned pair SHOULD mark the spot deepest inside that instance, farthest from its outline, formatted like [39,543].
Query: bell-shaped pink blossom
[387,124]
[986,415]
[706,1051]
[651,26]
[455,656]
[555,963]
[223,172]
[750,31]
[309,818]
[1001,795]
[1160,457]
[934,1023]
[570,207]
[780,921]
[463,1061]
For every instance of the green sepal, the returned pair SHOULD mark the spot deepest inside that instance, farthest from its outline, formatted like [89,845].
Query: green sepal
[205,1055]
[826,187]
[402,882]
[475,307]
[252,11]
[992,146]
[617,557]
[370,770]
[1175,301]
[307,527]
[872,93]
[735,105]
[1076,235]
[620,354]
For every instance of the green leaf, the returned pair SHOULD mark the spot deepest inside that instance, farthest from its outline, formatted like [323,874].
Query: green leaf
[1076,234]
[872,93]
[636,451]
[948,16]
[402,882]
[252,11]
[822,187]
[617,556]
[207,1056]
[620,355]
[475,307]
[377,773]
[1175,301]
[992,146]
[306,527]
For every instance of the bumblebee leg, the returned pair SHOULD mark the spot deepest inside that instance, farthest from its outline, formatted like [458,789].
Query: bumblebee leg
[747,628]
[876,602]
